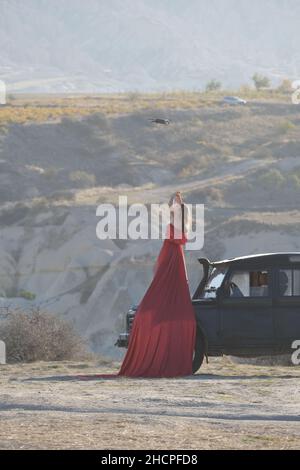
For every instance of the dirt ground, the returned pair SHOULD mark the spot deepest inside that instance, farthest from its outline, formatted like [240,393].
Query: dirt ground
[224,406]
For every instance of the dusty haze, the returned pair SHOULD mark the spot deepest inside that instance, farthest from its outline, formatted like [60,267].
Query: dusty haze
[124,45]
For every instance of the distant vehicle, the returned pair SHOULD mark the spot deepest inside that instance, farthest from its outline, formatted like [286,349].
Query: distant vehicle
[245,307]
[233,100]
[166,122]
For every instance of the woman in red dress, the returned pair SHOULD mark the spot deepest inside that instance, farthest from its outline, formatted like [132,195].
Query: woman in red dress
[162,338]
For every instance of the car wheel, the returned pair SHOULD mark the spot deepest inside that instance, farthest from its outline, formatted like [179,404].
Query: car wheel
[199,351]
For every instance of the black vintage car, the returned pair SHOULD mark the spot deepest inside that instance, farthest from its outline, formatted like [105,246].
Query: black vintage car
[246,307]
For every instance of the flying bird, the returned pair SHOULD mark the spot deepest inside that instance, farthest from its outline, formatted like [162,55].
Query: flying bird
[166,122]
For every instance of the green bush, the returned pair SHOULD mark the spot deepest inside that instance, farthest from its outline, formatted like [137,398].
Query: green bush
[26,294]
[260,81]
[272,179]
[213,85]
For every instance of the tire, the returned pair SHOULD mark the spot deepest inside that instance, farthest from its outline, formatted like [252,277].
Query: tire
[199,352]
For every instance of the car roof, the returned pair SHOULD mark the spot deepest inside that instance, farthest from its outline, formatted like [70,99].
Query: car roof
[261,258]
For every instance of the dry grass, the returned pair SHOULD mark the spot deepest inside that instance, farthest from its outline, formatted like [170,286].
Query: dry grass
[226,406]
[42,108]
[203,140]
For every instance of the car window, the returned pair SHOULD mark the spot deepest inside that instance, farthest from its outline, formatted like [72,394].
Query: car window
[289,282]
[248,284]
[214,281]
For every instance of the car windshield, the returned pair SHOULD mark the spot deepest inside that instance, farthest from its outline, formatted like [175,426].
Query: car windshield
[214,281]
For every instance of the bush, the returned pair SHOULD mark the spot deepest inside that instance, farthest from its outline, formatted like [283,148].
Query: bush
[50,173]
[82,178]
[286,126]
[286,87]
[39,336]
[260,81]
[3,129]
[213,85]
[133,96]
[272,179]
[262,153]
[294,179]
[214,195]
[26,294]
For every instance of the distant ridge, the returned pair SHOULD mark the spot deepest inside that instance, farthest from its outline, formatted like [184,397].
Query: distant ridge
[145,45]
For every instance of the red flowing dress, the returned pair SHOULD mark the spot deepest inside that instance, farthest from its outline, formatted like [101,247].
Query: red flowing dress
[162,338]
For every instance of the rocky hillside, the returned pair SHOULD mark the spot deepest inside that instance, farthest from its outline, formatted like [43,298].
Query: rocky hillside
[242,163]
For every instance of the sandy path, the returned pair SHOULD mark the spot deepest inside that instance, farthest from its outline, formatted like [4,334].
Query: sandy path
[230,172]
[226,173]
[225,406]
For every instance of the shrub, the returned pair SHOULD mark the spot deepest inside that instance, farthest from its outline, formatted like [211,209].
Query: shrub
[272,179]
[50,173]
[39,336]
[82,177]
[213,85]
[3,129]
[214,195]
[26,295]
[133,96]
[285,87]
[209,196]
[286,126]
[294,179]
[260,81]
[262,153]
[63,195]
